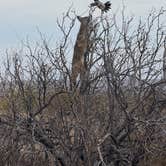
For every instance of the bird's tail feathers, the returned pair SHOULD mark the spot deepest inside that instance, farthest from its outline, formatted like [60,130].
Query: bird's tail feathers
[107,6]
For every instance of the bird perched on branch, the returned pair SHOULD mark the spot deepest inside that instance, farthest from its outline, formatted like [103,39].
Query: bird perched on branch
[103,6]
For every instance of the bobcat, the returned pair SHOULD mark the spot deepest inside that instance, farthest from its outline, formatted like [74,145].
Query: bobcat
[80,48]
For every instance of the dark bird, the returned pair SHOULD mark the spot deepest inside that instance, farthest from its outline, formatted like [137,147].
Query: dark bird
[103,6]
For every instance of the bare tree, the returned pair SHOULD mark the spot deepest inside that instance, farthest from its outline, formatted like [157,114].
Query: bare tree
[111,122]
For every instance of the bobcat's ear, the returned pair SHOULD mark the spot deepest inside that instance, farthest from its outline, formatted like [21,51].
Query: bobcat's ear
[79,18]
[90,18]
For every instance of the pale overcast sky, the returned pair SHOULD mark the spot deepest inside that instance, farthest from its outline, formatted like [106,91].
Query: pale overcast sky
[19,18]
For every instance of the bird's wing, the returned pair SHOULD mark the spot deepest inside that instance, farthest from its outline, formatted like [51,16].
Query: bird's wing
[93,4]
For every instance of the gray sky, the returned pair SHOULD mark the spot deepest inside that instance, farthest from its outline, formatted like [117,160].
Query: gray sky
[19,18]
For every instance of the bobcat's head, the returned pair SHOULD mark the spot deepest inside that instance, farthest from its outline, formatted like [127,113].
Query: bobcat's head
[84,20]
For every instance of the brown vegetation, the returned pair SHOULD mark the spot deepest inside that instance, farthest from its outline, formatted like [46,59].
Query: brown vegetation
[119,117]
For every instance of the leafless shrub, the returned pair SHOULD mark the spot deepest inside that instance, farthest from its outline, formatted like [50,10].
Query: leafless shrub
[119,119]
